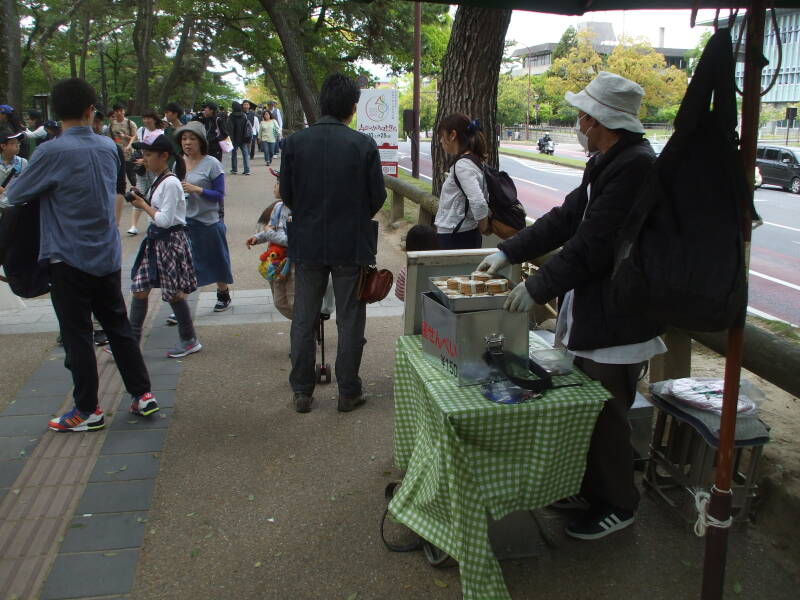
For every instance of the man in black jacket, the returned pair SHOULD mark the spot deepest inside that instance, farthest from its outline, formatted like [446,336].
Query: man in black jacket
[215,128]
[331,179]
[241,134]
[609,347]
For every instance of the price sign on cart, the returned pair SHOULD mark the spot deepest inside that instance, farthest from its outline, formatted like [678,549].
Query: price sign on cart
[377,117]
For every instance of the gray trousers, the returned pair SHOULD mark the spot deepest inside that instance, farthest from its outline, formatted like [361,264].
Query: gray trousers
[310,283]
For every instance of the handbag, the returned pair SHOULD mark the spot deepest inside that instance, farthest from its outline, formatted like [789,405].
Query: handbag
[374,284]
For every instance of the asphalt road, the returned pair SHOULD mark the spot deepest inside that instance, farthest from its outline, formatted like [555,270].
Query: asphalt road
[775,251]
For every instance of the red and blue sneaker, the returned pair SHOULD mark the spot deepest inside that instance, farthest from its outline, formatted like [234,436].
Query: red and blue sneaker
[144,405]
[76,420]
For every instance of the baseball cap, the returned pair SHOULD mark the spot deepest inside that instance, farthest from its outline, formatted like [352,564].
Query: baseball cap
[6,109]
[160,144]
[7,135]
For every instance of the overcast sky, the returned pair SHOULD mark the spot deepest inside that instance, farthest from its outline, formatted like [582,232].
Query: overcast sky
[528,28]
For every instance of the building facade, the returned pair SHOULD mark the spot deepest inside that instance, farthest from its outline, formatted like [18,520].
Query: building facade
[535,60]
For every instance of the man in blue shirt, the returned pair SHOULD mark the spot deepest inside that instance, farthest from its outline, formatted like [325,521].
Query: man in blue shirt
[74,179]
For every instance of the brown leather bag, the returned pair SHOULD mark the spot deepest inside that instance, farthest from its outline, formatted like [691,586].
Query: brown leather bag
[374,284]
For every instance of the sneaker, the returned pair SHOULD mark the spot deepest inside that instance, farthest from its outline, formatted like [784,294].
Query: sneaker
[172,320]
[100,337]
[76,420]
[576,502]
[302,402]
[599,525]
[223,301]
[107,350]
[184,348]
[144,405]
[234,172]
[348,403]
[247,173]
[133,231]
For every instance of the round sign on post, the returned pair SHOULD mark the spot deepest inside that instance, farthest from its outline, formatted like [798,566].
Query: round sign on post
[362,81]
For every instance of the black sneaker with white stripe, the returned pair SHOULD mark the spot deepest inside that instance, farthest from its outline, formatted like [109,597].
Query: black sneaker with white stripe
[595,525]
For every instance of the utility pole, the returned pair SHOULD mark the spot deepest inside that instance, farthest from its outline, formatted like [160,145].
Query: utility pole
[415,106]
[528,113]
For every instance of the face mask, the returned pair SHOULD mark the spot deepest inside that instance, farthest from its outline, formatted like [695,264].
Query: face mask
[583,138]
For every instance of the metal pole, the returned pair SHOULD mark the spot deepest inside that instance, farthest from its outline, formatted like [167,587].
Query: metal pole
[528,114]
[417,61]
[721,495]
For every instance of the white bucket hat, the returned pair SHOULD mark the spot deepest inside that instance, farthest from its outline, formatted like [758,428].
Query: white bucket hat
[612,100]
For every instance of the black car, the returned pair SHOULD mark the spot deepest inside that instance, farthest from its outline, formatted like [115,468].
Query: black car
[779,165]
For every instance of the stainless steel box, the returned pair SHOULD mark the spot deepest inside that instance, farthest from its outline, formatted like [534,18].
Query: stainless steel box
[455,341]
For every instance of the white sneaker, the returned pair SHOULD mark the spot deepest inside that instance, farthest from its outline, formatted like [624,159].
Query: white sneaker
[133,231]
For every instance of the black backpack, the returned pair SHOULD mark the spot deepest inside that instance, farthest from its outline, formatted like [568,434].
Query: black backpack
[19,250]
[507,214]
[680,258]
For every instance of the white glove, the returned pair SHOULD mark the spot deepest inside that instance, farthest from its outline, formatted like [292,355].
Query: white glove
[494,262]
[519,300]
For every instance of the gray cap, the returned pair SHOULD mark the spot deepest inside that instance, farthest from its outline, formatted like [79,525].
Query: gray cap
[197,128]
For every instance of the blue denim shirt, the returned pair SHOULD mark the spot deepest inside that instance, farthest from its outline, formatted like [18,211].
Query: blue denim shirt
[74,177]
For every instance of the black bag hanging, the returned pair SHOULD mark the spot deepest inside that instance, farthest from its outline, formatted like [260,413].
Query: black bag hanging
[680,256]
[19,250]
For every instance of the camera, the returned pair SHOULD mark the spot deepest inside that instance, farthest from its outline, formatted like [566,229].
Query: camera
[129,194]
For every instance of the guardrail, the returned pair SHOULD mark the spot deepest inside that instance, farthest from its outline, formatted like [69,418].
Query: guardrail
[767,355]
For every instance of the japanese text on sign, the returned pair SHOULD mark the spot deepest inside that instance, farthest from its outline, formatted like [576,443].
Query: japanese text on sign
[377,118]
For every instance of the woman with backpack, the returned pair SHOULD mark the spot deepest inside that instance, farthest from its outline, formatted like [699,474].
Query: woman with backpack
[463,213]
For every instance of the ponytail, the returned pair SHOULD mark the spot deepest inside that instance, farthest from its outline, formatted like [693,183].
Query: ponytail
[469,134]
[180,167]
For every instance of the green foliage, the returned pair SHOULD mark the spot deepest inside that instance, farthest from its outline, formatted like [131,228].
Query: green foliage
[567,43]
[427,101]
[512,100]
[693,56]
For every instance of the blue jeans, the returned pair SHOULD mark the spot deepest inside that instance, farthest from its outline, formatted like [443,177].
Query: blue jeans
[245,148]
[268,148]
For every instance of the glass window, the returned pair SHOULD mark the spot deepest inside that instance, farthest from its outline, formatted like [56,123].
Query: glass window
[786,156]
[771,154]
[760,153]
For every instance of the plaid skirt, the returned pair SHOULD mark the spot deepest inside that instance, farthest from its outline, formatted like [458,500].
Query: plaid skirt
[166,263]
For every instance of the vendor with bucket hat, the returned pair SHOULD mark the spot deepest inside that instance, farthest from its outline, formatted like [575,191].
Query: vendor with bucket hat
[609,347]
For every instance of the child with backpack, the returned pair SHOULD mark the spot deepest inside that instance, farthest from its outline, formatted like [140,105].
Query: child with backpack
[275,265]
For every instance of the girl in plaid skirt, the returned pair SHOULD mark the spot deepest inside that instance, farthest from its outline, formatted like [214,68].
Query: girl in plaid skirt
[165,259]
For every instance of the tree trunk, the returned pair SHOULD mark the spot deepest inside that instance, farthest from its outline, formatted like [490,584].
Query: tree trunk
[171,83]
[73,65]
[295,58]
[85,31]
[142,35]
[470,71]
[10,64]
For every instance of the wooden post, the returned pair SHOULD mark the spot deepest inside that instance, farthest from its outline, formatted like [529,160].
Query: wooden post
[424,218]
[398,207]
[721,495]
[677,361]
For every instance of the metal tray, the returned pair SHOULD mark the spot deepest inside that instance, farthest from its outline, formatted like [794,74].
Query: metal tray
[468,304]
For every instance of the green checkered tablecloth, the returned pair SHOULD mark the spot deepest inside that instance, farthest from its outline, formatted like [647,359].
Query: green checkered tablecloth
[467,458]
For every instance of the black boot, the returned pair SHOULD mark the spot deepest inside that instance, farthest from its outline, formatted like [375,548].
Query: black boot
[223,301]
